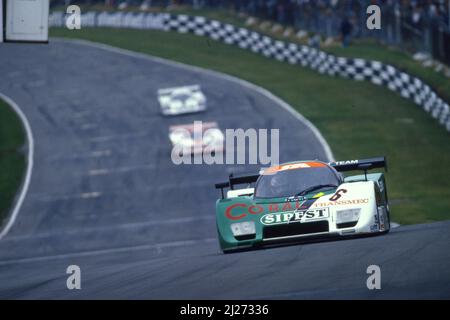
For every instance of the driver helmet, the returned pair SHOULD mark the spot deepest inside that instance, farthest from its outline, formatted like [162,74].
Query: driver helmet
[277,183]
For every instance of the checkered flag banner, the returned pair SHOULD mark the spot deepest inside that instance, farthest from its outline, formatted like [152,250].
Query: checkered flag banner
[406,85]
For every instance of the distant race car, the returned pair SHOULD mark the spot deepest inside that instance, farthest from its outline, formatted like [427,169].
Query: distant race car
[184,140]
[181,100]
[306,200]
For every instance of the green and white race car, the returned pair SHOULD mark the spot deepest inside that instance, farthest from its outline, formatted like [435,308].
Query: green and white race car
[306,200]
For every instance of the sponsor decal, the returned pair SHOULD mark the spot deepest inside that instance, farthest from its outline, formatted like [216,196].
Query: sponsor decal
[274,207]
[293,166]
[376,219]
[295,216]
[320,194]
[379,222]
[232,214]
[239,211]
[338,194]
[341,203]
[255,209]
[345,163]
[295,199]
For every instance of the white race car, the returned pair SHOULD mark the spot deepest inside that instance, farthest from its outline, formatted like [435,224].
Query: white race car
[191,140]
[181,100]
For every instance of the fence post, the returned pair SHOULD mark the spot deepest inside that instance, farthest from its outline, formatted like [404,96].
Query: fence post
[398,24]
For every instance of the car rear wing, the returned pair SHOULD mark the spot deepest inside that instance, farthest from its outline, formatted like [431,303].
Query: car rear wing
[236,180]
[364,165]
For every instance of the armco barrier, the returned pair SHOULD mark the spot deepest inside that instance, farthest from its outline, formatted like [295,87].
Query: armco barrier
[407,86]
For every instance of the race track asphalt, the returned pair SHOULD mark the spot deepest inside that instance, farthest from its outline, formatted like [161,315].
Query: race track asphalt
[105,195]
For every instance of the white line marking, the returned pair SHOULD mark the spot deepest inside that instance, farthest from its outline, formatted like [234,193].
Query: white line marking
[90,195]
[98,172]
[121,227]
[80,114]
[101,153]
[104,171]
[36,84]
[85,196]
[26,182]
[158,247]
[176,186]
[88,126]
[266,93]
[93,154]
[117,137]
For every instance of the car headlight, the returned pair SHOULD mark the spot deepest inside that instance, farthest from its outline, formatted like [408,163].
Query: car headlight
[243,228]
[347,215]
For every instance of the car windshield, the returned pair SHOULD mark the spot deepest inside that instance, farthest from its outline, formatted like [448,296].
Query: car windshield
[294,182]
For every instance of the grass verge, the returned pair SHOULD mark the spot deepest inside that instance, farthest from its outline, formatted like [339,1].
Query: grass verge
[12,158]
[358,119]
